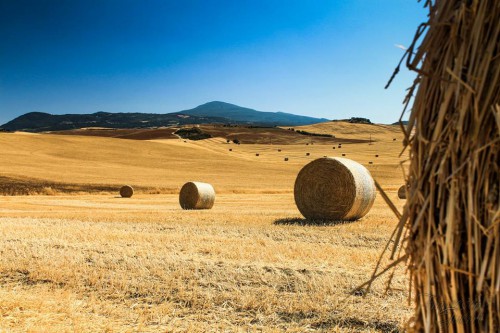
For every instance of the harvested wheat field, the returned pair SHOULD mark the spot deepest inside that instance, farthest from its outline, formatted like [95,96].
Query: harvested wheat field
[76,257]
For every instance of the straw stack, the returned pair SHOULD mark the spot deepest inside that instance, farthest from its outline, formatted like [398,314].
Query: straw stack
[402,192]
[451,223]
[126,191]
[197,195]
[334,189]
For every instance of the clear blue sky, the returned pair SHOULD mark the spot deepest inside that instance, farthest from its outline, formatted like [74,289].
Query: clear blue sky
[324,58]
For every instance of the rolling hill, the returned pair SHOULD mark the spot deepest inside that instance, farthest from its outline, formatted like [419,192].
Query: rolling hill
[212,112]
[240,114]
[76,257]
[44,122]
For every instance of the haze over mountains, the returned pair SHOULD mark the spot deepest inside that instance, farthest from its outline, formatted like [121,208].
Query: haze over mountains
[212,112]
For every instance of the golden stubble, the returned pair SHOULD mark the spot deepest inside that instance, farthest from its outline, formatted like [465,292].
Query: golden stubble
[97,262]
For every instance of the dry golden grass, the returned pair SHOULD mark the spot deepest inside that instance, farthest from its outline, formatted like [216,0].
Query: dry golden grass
[377,132]
[99,263]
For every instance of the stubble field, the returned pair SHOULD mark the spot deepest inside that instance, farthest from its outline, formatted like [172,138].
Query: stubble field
[77,258]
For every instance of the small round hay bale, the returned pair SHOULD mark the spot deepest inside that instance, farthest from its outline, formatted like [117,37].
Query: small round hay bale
[343,154]
[370,162]
[307,154]
[333,147]
[230,149]
[126,191]
[279,150]
[334,188]
[197,195]
[257,154]
[376,155]
[286,159]
[402,192]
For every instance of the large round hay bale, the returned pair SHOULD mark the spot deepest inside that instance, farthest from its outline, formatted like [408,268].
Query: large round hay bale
[334,188]
[126,191]
[197,195]
[402,192]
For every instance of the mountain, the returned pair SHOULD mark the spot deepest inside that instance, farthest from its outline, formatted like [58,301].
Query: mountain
[240,114]
[40,122]
[213,112]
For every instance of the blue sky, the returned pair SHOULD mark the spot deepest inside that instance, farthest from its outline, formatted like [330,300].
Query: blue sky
[325,58]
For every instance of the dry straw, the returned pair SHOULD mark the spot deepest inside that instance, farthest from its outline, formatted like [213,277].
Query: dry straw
[126,191]
[334,189]
[450,229]
[197,195]
[402,192]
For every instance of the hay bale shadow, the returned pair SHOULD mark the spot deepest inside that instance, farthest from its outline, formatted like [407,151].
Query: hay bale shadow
[307,222]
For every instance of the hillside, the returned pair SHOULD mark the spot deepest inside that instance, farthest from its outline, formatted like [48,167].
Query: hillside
[156,162]
[213,112]
[245,134]
[76,257]
[240,114]
[346,130]
[342,132]
[41,122]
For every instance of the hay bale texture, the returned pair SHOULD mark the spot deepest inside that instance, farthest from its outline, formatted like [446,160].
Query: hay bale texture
[402,192]
[450,227]
[334,188]
[126,191]
[197,195]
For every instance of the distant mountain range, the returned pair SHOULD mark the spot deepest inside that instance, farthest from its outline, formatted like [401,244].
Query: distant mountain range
[240,114]
[212,112]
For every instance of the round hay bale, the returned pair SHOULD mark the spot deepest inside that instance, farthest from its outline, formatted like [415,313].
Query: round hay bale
[376,155]
[230,149]
[343,154]
[197,195]
[402,192]
[257,154]
[286,159]
[279,150]
[334,188]
[126,191]
[333,147]
[307,154]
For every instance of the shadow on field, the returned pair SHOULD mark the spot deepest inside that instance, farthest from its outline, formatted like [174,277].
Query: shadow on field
[336,321]
[358,324]
[305,222]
